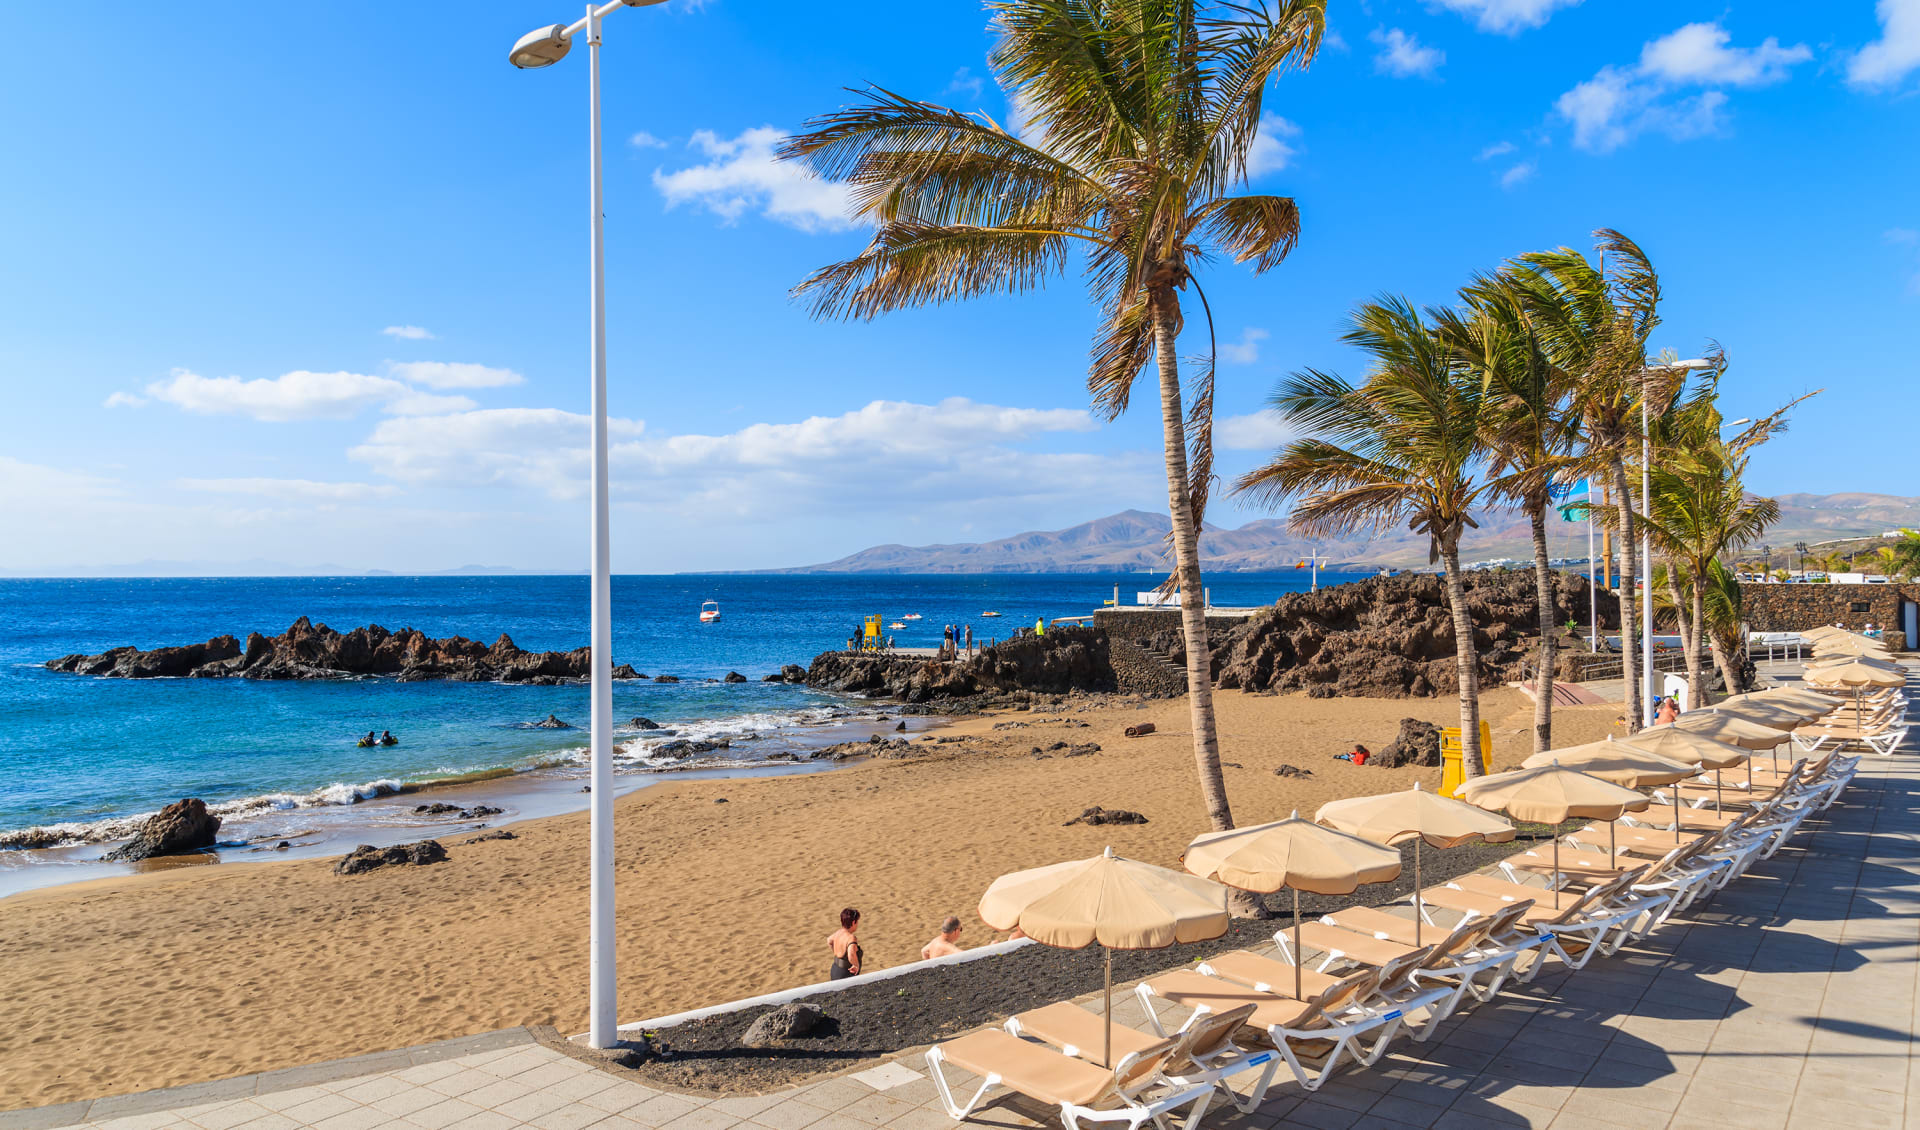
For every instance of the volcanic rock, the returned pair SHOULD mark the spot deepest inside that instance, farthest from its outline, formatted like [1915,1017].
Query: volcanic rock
[790,1021]
[1140,731]
[306,651]
[734,677]
[1292,771]
[184,825]
[644,724]
[666,678]
[1418,743]
[498,834]
[366,857]
[552,723]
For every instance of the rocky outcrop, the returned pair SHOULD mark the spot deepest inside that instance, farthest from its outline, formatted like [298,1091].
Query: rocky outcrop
[307,651]
[551,722]
[792,1021]
[1064,660]
[1391,637]
[734,677]
[1098,815]
[183,826]
[1418,743]
[367,858]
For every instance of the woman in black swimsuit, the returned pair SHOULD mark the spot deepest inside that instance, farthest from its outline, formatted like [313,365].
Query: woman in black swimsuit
[846,948]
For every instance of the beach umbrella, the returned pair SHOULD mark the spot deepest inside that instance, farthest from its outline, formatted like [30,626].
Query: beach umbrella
[1417,815]
[1822,631]
[1807,704]
[1848,644]
[1777,717]
[1119,903]
[1623,763]
[1857,675]
[1295,854]
[1551,794]
[1694,749]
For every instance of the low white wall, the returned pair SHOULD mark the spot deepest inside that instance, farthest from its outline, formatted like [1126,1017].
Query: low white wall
[785,995]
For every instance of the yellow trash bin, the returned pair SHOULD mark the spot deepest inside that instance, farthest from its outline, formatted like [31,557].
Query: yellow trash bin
[1452,771]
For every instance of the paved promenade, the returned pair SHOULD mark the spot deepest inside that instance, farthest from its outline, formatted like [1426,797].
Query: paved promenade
[1790,1001]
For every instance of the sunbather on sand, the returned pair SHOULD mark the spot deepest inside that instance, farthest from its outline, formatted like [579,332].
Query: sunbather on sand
[943,943]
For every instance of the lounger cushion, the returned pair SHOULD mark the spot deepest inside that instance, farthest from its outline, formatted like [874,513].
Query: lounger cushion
[1372,920]
[1363,948]
[1248,968]
[1184,986]
[1028,1068]
[1066,1023]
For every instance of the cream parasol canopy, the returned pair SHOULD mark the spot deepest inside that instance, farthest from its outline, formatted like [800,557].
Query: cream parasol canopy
[1857,675]
[1417,815]
[1119,903]
[1727,728]
[1624,763]
[1551,794]
[1778,716]
[1700,750]
[1293,854]
[1848,644]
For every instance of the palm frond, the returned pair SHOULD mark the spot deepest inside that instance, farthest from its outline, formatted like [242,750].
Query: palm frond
[912,264]
[1258,229]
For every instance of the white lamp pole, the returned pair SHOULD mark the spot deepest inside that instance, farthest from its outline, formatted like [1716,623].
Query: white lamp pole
[543,48]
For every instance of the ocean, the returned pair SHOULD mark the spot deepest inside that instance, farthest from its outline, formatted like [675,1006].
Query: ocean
[84,759]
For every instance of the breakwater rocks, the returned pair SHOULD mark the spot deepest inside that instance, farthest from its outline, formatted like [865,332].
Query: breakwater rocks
[1062,661]
[306,651]
[1389,637]
[183,826]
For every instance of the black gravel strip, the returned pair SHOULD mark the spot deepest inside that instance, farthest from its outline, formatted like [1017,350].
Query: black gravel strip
[928,1006]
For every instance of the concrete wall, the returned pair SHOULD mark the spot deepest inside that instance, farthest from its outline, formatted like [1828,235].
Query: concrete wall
[1793,608]
[1144,623]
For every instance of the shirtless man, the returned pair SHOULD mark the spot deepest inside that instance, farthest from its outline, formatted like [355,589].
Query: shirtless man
[943,942]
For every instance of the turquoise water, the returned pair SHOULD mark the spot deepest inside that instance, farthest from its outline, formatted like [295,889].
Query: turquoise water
[86,754]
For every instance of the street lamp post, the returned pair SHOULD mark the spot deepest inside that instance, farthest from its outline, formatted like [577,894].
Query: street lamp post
[544,47]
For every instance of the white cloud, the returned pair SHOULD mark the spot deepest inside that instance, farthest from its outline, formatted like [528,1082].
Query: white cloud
[1497,149]
[452,374]
[124,400]
[427,404]
[1896,53]
[1618,103]
[1507,17]
[409,333]
[1518,175]
[295,490]
[1902,235]
[889,455]
[299,395]
[744,173]
[1256,431]
[1331,40]
[1247,350]
[1698,54]
[1269,152]
[966,82]
[645,140]
[1402,55]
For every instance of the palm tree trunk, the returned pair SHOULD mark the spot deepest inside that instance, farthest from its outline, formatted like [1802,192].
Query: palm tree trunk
[1186,557]
[1696,662]
[1721,660]
[1629,656]
[1689,623]
[1466,659]
[1543,583]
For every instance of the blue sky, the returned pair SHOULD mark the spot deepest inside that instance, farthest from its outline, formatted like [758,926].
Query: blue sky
[306,283]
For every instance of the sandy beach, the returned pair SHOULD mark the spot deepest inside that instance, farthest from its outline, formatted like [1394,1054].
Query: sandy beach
[206,972]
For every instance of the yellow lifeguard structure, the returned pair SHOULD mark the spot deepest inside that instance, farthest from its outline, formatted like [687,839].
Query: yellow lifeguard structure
[870,638]
[1453,772]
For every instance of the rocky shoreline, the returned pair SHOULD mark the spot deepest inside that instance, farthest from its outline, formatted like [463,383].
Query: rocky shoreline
[307,651]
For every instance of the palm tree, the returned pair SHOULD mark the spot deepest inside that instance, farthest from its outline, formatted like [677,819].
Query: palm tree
[1595,322]
[1143,114]
[1526,432]
[1401,448]
[1887,560]
[1906,552]
[1723,618]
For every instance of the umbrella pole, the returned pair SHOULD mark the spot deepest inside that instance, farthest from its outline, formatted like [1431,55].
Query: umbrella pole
[1106,1059]
[1298,957]
[1716,791]
[1676,812]
[1416,892]
[1557,877]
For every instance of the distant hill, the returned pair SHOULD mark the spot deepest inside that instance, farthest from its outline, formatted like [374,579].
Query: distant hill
[1135,540]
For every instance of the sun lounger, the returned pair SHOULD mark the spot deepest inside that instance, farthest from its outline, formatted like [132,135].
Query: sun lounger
[1395,988]
[1312,1035]
[1204,1053]
[1134,1091]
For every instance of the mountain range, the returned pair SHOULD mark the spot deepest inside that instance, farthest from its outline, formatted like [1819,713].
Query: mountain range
[1135,540]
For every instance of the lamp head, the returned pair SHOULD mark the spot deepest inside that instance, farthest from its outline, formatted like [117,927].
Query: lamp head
[542,47]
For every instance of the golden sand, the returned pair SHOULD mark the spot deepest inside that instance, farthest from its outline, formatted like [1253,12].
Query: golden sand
[207,972]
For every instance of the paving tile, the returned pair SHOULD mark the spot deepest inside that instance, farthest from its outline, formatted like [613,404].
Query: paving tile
[447,1112]
[791,1115]
[619,1098]
[573,1116]
[662,1109]
[703,1119]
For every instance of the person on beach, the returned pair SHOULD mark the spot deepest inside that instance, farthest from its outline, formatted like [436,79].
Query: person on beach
[1666,712]
[1358,754]
[943,943]
[387,738]
[845,947]
[969,641]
